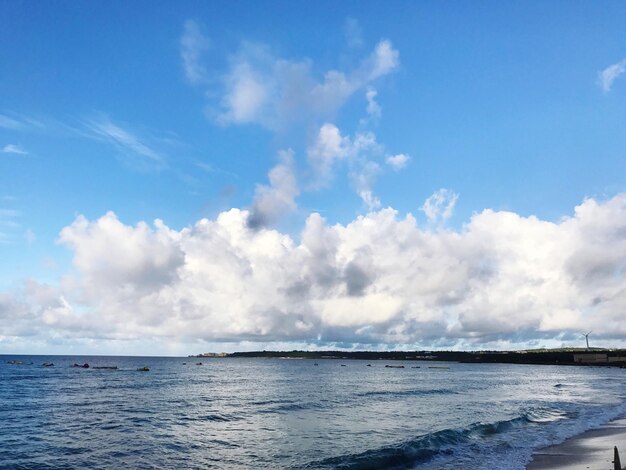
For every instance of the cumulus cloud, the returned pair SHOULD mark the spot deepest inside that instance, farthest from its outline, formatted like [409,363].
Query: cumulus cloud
[397,162]
[146,260]
[15,149]
[329,146]
[440,205]
[18,318]
[607,76]
[273,200]
[359,151]
[380,279]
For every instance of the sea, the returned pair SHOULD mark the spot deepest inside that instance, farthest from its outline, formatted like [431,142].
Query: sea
[234,413]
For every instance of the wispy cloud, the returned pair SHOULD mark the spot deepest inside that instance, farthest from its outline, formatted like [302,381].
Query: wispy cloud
[125,141]
[9,224]
[205,167]
[14,148]
[29,236]
[18,122]
[7,122]
[192,45]
[353,32]
[9,213]
[138,150]
[607,76]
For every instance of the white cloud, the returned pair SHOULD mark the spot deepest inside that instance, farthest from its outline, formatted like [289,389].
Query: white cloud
[440,205]
[379,279]
[247,96]
[363,180]
[277,93]
[607,76]
[329,146]
[373,108]
[260,88]
[15,149]
[358,151]
[271,202]
[384,59]
[397,162]
[118,258]
[193,44]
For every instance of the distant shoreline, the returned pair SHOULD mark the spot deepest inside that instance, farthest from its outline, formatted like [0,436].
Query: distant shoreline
[571,357]
[568,357]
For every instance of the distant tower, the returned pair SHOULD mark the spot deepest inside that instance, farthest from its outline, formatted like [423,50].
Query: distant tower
[587,338]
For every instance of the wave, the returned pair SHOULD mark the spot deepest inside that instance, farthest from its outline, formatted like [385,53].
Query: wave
[294,406]
[545,415]
[479,445]
[405,393]
[219,417]
[215,417]
[414,451]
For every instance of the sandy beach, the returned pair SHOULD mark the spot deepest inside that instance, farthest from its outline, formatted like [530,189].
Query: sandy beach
[590,450]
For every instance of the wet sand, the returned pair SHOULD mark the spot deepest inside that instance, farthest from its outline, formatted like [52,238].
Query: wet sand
[591,450]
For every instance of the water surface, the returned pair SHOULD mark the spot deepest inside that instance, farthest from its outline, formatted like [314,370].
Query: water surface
[272,413]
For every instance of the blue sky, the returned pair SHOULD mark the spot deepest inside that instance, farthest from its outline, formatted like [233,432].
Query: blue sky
[180,112]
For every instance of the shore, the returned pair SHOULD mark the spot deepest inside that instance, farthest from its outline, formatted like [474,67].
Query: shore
[591,450]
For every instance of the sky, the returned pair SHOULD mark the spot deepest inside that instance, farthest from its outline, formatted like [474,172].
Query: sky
[185,177]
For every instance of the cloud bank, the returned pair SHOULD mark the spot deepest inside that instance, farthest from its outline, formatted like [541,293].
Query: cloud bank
[380,279]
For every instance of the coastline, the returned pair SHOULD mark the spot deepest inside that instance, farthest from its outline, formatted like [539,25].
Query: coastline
[592,449]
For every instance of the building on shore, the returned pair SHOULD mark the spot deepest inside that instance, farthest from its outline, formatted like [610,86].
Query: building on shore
[597,358]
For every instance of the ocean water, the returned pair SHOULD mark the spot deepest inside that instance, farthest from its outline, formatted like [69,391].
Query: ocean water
[272,413]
